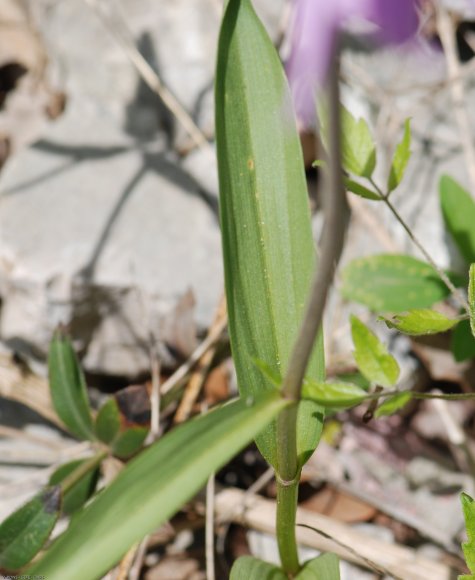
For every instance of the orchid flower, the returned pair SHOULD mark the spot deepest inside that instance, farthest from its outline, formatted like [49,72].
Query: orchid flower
[314,39]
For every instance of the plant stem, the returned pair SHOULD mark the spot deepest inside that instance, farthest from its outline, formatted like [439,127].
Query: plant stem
[336,218]
[415,240]
[82,470]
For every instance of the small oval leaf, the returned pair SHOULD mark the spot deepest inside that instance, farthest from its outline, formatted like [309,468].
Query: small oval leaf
[393,404]
[372,357]
[392,283]
[468,506]
[250,568]
[401,158]
[458,209]
[334,395]
[68,387]
[421,321]
[107,425]
[129,442]
[325,567]
[463,342]
[77,496]
[23,533]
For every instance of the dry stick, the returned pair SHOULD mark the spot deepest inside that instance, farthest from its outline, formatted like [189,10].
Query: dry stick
[446,30]
[134,572]
[415,240]
[369,563]
[197,379]
[155,394]
[209,529]
[186,367]
[150,77]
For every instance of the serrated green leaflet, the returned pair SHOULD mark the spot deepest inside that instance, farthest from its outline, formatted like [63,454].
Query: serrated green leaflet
[358,150]
[77,496]
[249,568]
[68,387]
[401,158]
[393,404]
[153,486]
[421,321]
[335,395]
[471,297]
[361,190]
[372,357]
[392,283]
[268,248]
[468,506]
[23,533]
[458,209]
[325,567]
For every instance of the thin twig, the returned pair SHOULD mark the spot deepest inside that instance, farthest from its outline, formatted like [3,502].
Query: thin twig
[186,367]
[446,31]
[198,377]
[209,531]
[415,240]
[149,76]
[369,563]
[155,394]
[134,572]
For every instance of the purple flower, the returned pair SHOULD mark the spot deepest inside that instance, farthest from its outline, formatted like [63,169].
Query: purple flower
[315,31]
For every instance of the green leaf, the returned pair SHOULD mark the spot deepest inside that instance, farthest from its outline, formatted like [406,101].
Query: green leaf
[325,567]
[333,395]
[393,404]
[68,387]
[23,533]
[77,496]
[269,254]
[153,486]
[400,158]
[249,568]
[356,378]
[471,297]
[421,321]
[358,149]
[458,209]
[108,421]
[392,283]
[468,506]
[463,342]
[129,442]
[372,357]
[361,190]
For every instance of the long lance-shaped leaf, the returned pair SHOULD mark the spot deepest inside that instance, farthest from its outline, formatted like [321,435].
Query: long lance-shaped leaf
[153,487]
[267,240]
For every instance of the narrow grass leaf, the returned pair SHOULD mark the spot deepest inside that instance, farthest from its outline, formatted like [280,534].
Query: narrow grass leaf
[334,395]
[68,387]
[393,404]
[401,158]
[153,486]
[422,321]
[268,249]
[471,297]
[468,506]
[325,567]
[458,210]
[392,283]
[250,568]
[23,533]
[78,495]
[107,424]
[372,357]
